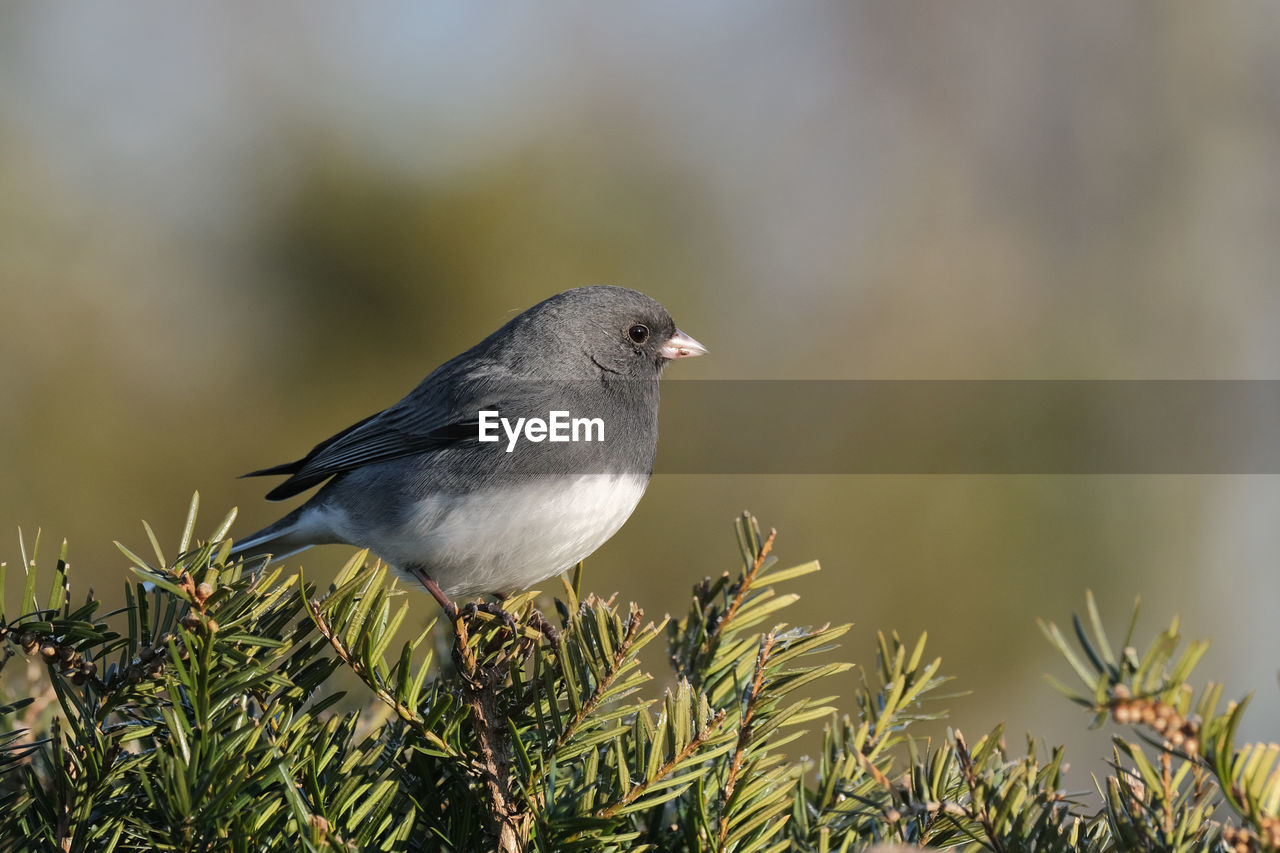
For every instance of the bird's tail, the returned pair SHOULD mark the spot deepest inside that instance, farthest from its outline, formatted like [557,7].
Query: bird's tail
[276,541]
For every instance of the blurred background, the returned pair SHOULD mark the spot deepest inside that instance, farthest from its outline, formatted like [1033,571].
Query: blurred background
[230,230]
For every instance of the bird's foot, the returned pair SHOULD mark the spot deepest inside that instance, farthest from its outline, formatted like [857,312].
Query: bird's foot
[473,609]
[535,619]
[544,627]
[493,608]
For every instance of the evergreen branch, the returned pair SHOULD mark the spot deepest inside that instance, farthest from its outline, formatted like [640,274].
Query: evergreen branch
[509,821]
[601,689]
[665,770]
[745,586]
[409,715]
[191,720]
[712,640]
[464,656]
[509,818]
[744,732]
[977,810]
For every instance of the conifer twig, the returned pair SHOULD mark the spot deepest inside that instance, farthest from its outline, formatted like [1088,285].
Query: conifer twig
[665,770]
[409,715]
[589,706]
[509,819]
[744,732]
[977,808]
[747,580]
[713,636]
[509,823]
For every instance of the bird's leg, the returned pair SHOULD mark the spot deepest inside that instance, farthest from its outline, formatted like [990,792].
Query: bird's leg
[450,609]
[463,657]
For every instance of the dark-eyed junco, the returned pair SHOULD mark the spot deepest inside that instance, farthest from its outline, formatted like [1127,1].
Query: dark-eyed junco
[505,466]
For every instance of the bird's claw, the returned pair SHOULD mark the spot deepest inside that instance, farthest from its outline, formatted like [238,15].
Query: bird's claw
[474,608]
[544,627]
[536,620]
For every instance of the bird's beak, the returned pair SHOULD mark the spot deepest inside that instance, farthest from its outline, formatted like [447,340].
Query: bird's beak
[681,346]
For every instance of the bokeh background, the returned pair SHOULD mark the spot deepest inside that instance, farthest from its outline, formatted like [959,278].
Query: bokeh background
[229,230]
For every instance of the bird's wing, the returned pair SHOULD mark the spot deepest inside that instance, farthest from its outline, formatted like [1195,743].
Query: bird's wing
[389,434]
[440,412]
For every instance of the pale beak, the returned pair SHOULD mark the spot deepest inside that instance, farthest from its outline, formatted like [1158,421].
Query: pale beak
[681,346]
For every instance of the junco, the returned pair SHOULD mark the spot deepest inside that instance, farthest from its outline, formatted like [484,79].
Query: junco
[505,466]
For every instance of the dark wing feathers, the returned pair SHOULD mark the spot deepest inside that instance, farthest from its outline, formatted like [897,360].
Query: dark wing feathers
[295,466]
[386,435]
[441,411]
[274,470]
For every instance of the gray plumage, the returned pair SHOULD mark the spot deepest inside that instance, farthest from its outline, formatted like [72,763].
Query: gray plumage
[416,486]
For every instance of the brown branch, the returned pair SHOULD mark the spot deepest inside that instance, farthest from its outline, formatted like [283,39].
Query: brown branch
[744,732]
[881,779]
[977,809]
[713,637]
[610,675]
[63,830]
[464,657]
[409,715]
[749,578]
[665,770]
[1166,785]
[509,822]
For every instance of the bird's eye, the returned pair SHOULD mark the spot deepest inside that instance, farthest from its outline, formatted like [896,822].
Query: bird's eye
[639,333]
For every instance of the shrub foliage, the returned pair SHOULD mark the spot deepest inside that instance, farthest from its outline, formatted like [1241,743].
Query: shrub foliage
[203,716]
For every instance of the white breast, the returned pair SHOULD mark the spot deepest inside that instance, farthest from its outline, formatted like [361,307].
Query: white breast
[507,539]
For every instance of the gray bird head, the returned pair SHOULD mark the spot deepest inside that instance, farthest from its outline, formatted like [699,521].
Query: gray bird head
[598,328]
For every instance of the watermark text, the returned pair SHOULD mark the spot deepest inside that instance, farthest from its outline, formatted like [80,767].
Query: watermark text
[558,426]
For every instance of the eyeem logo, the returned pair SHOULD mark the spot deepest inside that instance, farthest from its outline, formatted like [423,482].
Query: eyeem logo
[557,427]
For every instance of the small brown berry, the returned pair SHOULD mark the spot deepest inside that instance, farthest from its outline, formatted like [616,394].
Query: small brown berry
[48,651]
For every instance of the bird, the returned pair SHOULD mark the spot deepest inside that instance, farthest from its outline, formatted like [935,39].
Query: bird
[442,487]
